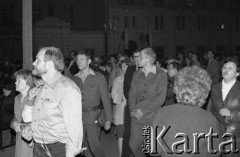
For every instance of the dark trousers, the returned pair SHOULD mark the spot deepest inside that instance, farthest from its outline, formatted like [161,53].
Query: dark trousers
[136,138]
[91,136]
[56,150]
[126,151]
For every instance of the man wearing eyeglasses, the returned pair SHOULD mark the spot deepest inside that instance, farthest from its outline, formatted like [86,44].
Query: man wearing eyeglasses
[127,120]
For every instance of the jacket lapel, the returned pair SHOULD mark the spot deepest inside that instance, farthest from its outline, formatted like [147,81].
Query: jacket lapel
[232,91]
[89,79]
[219,92]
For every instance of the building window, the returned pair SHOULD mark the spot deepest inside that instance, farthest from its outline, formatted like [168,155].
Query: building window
[221,4]
[159,49]
[51,10]
[131,2]
[70,12]
[180,49]
[201,23]
[203,3]
[126,21]
[37,13]
[134,19]
[180,22]
[220,23]
[238,23]
[7,14]
[201,49]
[237,49]
[159,3]
[220,49]
[159,22]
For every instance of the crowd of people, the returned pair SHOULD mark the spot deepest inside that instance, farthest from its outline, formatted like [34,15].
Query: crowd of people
[56,106]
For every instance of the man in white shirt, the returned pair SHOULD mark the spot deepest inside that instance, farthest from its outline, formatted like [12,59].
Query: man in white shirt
[56,127]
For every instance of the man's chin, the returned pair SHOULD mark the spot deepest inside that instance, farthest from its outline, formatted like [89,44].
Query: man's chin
[35,73]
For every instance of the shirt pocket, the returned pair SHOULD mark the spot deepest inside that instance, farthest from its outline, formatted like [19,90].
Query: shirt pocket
[49,108]
[92,89]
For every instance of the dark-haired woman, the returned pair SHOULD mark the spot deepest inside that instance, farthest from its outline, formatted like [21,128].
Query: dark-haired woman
[225,102]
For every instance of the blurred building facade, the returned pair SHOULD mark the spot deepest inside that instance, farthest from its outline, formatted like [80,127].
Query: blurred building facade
[107,26]
[170,26]
[67,24]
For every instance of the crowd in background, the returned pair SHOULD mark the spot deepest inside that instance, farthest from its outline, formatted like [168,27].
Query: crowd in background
[117,68]
[106,64]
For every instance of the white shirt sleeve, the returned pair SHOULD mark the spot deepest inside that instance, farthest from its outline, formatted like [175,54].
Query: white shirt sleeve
[72,113]
[27,114]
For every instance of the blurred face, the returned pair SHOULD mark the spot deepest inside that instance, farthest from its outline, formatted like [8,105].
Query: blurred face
[39,65]
[188,61]
[124,67]
[21,84]
[171,70]
[157,64]
[72,55]
[136,58]
[144,59]
[205,56]
[194,58]
[180,56]
[121,59]
[6,92]
[190,55]
[209,55]
[83,62]
[112,60]
[229,71]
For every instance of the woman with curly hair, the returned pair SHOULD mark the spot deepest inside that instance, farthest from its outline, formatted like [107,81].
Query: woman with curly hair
[191,86]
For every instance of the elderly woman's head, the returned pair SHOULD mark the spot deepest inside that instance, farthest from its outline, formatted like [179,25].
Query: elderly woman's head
[192,85]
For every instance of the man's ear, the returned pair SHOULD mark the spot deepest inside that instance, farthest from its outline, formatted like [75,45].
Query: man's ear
[237,74]
[89,61]
[49,64]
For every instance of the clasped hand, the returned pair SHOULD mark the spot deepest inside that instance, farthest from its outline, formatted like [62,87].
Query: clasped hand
[137,114]
[27,133]
[225,112]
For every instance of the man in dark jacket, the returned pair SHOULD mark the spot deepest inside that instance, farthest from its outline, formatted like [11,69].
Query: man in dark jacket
[146,96]
[213,68]
[94,89]
[73,65]
[127,120]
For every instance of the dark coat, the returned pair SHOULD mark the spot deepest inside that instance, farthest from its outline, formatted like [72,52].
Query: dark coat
[147,93]
[128,79]
[170,99]
[94,90]
[213,70]
[232,102]
[74,68]
[187,120]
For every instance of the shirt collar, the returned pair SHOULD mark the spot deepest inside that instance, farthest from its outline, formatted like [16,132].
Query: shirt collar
[54,80]
[153,70]
[228,84]
[87,72]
